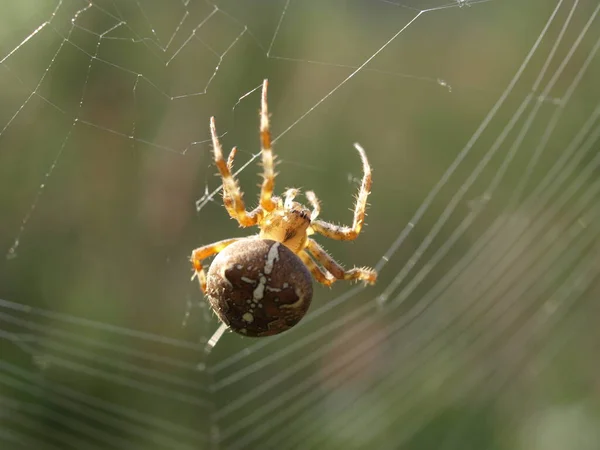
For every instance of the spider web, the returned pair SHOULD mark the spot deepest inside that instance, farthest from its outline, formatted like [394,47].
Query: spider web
[482,123]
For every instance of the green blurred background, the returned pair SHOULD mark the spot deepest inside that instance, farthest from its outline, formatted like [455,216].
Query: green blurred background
[105,184]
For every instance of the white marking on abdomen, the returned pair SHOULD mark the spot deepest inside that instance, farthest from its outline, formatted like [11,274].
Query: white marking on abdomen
[272,257]
[259,291]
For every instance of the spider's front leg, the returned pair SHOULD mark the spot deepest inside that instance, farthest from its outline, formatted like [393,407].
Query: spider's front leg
[342,233]
[232,196]
[339,273]
[201,253]
[266,191]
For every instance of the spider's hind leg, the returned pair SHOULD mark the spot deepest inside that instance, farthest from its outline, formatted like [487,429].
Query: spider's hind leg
[320,274]
[206,251]
[339,273]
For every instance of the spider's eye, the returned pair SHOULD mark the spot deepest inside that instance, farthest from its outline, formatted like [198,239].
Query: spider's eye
[259,287]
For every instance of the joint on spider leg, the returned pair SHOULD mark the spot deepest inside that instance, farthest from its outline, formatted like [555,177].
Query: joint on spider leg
[320,274]
[228,203]
[201,253]
[334,268]
[233,198]
[201,275]
[266,196]
[230,188]
[366,274]
[199,272]
[328,281]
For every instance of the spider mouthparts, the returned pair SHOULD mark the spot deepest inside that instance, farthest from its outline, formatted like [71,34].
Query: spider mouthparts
[301,212]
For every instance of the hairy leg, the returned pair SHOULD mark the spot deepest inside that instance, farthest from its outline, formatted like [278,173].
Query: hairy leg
[232,196]
[344,233]
[266,191]
[358,273]
[201,253]
[289,195]
[321,275]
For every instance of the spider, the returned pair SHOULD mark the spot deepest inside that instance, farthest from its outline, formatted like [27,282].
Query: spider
[261,285]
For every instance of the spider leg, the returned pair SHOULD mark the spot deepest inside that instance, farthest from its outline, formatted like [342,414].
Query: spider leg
[232,196]
[344,233]
[227,198]
[339,273]
[321,275]
[314,202]
[289,195]
[266,191]
[201,253]
[256,213]
[230,158]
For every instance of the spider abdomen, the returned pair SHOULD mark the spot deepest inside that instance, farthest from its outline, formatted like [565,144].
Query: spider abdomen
[259,287]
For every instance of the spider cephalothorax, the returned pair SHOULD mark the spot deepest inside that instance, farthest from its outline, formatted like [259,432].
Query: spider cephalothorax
[288,223]
[260,285]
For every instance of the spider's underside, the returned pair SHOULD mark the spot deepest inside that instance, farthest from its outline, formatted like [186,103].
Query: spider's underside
[283,220]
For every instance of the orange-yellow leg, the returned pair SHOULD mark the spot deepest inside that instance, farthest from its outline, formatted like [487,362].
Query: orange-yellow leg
[201,253]
[256,214]
[314,202]
[321,275]
[339,273]
[232,196]
[289,195]
[266,191]
[342,233]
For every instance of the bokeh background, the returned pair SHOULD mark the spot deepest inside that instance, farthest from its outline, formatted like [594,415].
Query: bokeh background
[480,122]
